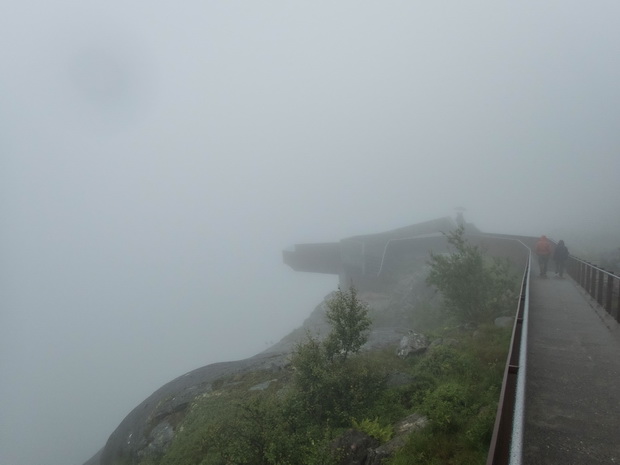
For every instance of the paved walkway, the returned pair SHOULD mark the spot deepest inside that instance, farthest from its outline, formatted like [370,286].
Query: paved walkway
[572,410]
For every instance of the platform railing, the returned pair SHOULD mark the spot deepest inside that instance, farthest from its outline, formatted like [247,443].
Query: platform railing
[507,439]
[602,285]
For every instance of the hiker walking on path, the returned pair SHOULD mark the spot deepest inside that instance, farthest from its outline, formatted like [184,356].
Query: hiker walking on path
[543,250]
[560,255]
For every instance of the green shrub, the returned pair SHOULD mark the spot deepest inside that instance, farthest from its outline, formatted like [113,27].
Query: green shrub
[417,391]
[448,407]
[329,385]
[349,321]
[442,362]
[373,428]
[430,447]
[475,288]
[480,428]
[330,391]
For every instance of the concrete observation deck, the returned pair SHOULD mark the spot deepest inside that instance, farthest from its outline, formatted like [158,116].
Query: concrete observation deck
[572,393]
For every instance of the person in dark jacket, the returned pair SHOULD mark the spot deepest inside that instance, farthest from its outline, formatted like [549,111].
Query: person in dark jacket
[560,255]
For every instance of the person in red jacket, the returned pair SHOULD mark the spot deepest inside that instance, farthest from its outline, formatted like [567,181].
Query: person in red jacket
[543,250]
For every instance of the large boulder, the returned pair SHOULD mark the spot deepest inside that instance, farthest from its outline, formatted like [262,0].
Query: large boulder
[412,343]
[354,447]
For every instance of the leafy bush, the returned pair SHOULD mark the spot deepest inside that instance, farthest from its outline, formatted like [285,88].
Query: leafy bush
[480,428]
[349,321]
[373,428]
[447,406]
[329,385]
[460,400]
[259,432]
[431,447]
[474,289]
[441,361]
[416,392]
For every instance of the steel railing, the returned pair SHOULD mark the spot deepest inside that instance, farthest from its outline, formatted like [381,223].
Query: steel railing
[507,439]
[602,285]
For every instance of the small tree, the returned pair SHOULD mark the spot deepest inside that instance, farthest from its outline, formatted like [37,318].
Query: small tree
[348,317]
[331,385]
[473,288]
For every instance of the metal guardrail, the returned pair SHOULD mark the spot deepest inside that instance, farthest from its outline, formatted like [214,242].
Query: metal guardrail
[602,285]
[507,439]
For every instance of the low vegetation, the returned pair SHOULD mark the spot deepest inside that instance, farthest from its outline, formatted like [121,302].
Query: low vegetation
[475,287]
[331,386]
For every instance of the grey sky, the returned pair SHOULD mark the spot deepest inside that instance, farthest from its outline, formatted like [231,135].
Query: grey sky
[156,158]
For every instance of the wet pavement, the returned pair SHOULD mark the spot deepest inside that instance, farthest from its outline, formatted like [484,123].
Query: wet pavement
[572,408]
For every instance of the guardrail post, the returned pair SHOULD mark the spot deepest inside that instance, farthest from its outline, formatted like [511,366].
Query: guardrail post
[579,266]
[576,270]
[599,282]
[593,280]
[609,292]
[617,300]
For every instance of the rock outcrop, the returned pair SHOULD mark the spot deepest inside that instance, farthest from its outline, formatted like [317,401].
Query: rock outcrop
[150,427]
[357,448]
[412,343]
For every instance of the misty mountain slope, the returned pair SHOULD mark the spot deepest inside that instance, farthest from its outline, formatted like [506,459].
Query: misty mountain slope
[392,310]
[395,299]
[150,427]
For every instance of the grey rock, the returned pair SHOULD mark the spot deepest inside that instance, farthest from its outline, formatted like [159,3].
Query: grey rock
[262,386]
[504,321]
[381,338]
[412,343]
[411,423]
[402,430]
[158,440]
[353,447]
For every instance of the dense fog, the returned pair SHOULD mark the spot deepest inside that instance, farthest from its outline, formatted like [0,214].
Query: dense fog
[156,158]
